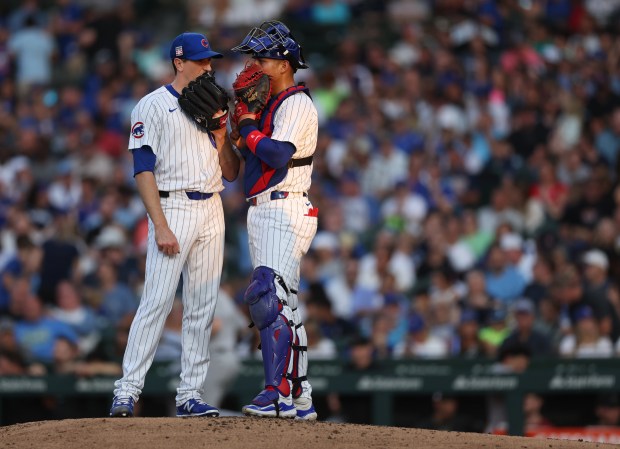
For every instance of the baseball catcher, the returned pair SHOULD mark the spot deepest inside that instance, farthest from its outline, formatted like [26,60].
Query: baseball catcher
[203,99]
[277,129]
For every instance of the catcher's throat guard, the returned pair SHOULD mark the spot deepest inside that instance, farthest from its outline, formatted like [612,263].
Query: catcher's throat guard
[273,39]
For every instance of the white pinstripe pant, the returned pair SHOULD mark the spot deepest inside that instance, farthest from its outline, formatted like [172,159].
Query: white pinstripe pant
[280,233]
[199,228]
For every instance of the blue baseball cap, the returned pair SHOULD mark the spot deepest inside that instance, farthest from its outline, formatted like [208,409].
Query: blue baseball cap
[468,316]
[416,323]
[584,312]
[192,46]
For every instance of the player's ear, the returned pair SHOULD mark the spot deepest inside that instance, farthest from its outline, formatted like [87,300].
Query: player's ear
[284,66]
[178,63]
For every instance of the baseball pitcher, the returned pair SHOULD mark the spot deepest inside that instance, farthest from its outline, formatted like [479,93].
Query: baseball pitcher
[181,151]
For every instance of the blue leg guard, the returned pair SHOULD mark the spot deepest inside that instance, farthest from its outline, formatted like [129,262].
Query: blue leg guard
[261,297]
[276,349]
[273,319]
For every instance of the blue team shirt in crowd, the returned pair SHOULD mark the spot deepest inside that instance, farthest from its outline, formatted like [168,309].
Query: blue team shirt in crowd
[38,338]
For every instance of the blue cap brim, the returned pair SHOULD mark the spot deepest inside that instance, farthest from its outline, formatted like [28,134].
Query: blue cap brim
[204,55]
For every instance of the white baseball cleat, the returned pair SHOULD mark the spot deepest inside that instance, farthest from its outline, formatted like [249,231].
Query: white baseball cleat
[305,409]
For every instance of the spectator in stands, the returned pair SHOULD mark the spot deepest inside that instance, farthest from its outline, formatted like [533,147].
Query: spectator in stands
[568,290]
[495,332]
[534,418]
[477,298]
[542,276]
[520,254]
[466,342]
[60,255]
[109,352]
[387,167]
[477,239]
[356,207]
[389,326]
[404,210]
[608,410]
[587,341]
[340,289]
[444,312]
[27,262]
[37,334]
[338,330]
[498,212]
[33,49]
[446,416]
[319,347]
[355,409]
[110,298]
[70,310]
[169,347]
[65,356]
[325,247]
[550,323]
[503,281]
[459,254]
[524,332]
[550,193]
[228,326]
[419,343]
[596,292]
[512,359]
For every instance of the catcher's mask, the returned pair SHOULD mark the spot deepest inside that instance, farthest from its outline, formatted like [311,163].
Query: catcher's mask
[273,39]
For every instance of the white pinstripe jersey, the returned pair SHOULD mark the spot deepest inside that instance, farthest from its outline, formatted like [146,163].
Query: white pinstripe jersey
[296,121]
[186,156]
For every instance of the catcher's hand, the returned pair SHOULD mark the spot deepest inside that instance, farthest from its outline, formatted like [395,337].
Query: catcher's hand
[202,99]
[252,90]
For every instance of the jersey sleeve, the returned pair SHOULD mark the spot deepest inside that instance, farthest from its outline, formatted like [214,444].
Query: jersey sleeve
[145,126]
[294,121]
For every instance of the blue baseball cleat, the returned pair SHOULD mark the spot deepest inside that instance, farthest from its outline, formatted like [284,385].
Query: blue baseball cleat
[271,404]
[196,407]
[122,407]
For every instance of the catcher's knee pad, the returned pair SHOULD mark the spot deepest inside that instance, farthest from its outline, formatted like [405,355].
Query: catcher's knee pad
[262,298]
[276,342]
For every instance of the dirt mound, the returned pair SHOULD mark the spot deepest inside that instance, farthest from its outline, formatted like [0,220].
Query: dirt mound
[255,433]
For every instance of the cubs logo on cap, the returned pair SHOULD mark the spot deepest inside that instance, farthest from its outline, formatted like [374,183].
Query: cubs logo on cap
[192,46]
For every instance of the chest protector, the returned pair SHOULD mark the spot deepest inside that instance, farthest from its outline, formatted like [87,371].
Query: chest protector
[260,176]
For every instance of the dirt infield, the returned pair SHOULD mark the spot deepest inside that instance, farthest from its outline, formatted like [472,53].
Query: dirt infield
[255,433]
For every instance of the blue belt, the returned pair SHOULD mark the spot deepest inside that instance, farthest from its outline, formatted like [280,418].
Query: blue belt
[191,195]
[275,195]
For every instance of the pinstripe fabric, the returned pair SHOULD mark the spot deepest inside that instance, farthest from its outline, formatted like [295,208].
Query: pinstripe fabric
[199,227]
[280,233]
[296,121]
[186,160]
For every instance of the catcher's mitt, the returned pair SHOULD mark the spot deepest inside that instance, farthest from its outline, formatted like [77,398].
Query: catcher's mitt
[202,98]
[252,90]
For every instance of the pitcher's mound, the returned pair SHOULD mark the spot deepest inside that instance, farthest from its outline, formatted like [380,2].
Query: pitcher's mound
[253,433]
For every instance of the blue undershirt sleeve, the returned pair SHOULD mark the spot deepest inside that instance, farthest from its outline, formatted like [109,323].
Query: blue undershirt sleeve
[143,159]
[272,152]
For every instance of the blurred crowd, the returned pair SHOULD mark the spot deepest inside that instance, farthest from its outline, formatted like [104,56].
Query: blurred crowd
[466,175]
